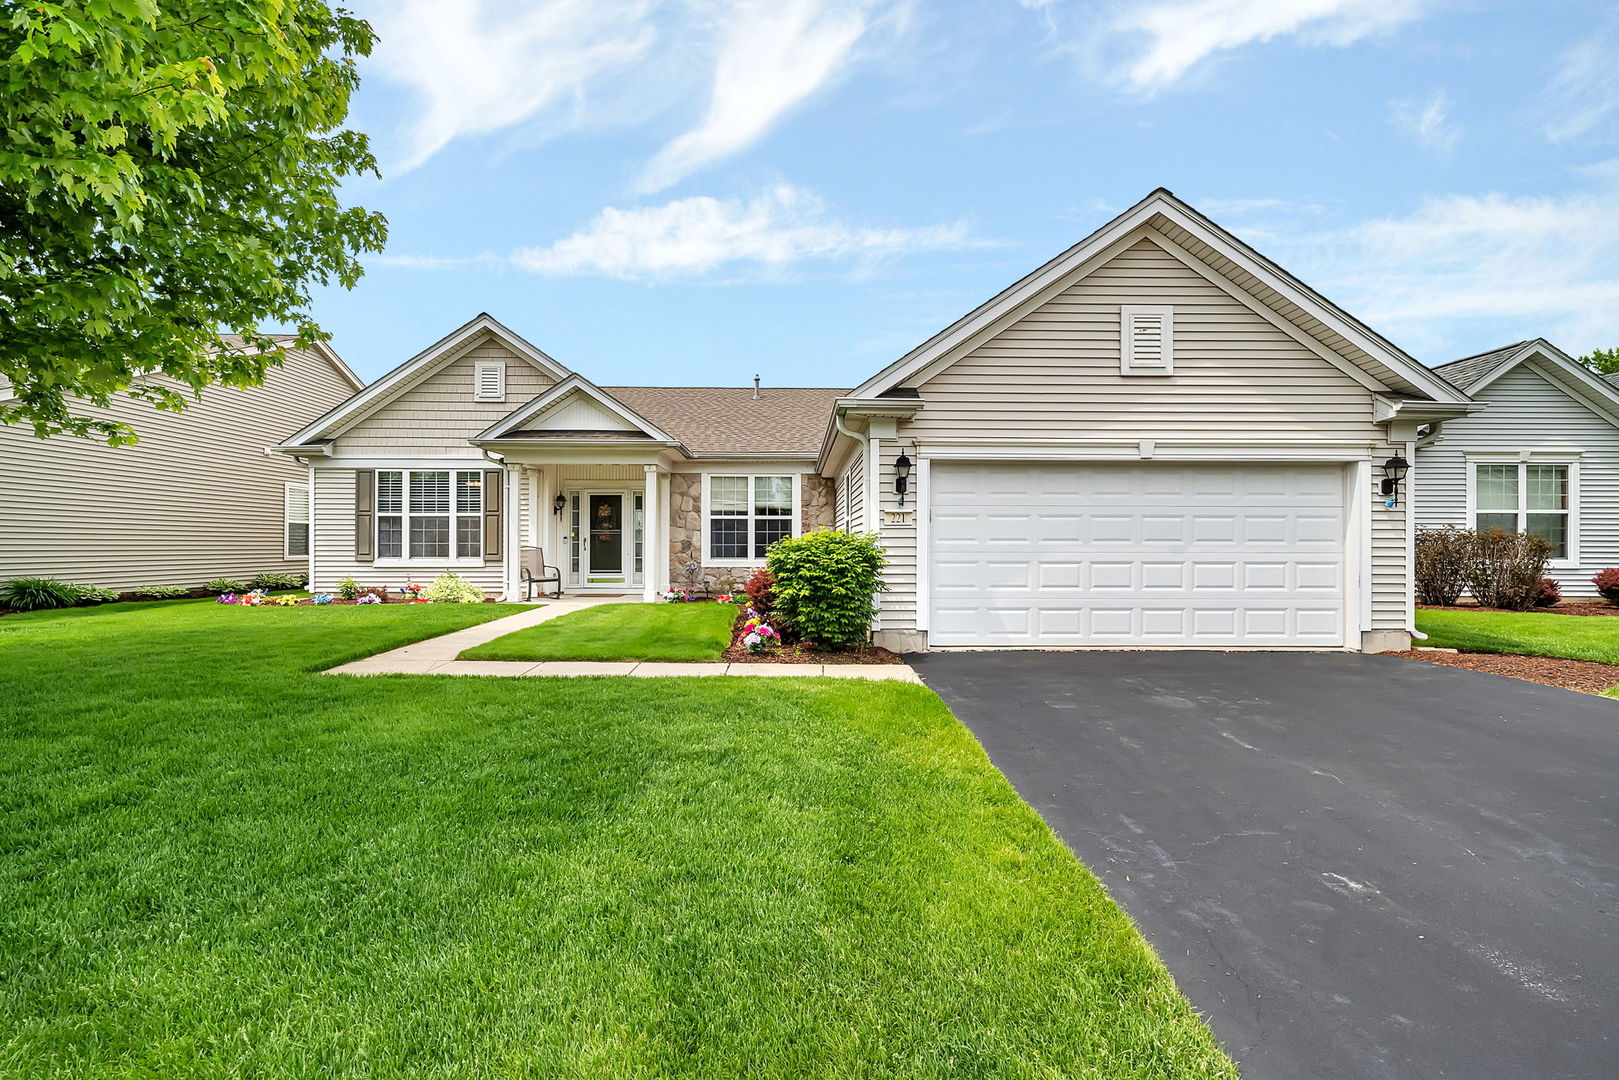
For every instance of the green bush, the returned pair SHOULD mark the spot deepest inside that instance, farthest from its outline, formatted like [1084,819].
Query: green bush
[273,580]
[225,585]
[95,594]
[348,589]
[824,586]
[161,592]
[38,594]
[451,588]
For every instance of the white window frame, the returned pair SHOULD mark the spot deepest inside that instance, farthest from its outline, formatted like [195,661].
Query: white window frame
[405,559]
[1571,559]
[498,367]
[288,520]
[795,523]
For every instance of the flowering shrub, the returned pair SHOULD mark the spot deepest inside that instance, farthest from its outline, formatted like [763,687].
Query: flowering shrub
[256,598]
[757,634]
[677,596]
[725,598]
[451,588]
[369,598]
[284,601]
[1607,584]
[321,598]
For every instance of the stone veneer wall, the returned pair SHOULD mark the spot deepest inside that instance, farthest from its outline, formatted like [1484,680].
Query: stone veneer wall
[816,496]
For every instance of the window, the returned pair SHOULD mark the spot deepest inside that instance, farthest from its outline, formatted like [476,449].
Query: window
[489,381]
[746,514]
[1523,496]
[429,514]
[296,516]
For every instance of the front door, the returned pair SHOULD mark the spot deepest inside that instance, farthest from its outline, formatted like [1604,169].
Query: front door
[604,530]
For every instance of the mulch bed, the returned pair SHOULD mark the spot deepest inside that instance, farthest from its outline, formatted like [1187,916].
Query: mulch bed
[1584,676]
[802,652]
[1567,607]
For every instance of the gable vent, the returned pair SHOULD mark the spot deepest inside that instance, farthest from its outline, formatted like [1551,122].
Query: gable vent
[1148,340]
[489,384]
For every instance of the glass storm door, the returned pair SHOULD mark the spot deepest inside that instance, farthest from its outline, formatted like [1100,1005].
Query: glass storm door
[604,532]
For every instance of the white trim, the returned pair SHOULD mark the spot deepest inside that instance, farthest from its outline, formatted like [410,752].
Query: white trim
[312,548]
[1004,449]
[651,532]
[922,497]
[1408,493]
[455,515]
[1471,460]
[572,384]
[1159,202]
[1358,550]
[438,355]
[796,525]
[476,461]
[479,370]
[511,520]
[287,520]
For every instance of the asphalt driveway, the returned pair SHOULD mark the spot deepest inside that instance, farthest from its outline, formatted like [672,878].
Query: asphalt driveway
[1355,866]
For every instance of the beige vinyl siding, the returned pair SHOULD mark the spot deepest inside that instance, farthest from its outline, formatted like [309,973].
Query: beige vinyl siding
[1054,375]
[197,498]
[852,493]
[332,504]
[1528,412]
[438,416]
[898,603]
[1055,372]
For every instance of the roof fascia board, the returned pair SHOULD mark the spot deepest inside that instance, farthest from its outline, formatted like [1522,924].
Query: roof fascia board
[1028,290]
[443,352]
[1568,375]
[1258,307]
[574,383]
[1328,313]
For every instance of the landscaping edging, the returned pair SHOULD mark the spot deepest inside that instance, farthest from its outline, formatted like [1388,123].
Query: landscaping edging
[1580,676]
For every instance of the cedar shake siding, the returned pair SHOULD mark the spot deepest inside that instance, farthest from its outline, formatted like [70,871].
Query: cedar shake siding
[197,498]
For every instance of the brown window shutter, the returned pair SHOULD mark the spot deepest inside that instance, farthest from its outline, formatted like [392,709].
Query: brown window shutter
[492,518]
[365,493]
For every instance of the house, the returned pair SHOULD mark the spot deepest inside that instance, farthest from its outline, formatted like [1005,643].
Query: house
[1158,438]
[198,497]
[1542,456]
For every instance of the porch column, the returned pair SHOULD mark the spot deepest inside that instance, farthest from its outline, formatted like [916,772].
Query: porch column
[653,543]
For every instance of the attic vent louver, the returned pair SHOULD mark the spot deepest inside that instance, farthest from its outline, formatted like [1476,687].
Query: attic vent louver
[489,382]
[1148,340]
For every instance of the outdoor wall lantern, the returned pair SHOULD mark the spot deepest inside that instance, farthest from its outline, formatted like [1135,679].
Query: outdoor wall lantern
[1394,470]
[902,476]
[558,503]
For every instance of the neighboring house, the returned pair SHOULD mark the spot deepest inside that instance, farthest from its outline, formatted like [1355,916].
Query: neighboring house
[1542,456]
[198,497]
[1158,438]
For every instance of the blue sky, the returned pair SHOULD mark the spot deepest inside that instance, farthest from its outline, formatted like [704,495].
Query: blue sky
[693,191]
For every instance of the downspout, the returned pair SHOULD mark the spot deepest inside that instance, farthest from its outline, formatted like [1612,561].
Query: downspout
[1411,542]
[509,509]
[865,452]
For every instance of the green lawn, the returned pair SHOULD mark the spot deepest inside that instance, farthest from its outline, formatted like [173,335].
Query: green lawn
[1574,637]
[672,632]
[214,863]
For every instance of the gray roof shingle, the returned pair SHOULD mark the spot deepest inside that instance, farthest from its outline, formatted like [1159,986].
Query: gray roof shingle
[727,419]
[1467,371]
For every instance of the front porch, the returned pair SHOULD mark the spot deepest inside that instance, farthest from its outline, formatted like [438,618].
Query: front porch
[603,526]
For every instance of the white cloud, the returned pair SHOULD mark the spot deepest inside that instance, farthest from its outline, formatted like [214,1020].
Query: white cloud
[1585,90]
[770,56]
[1428,121]
[478,66]
[1460,271]
[697,236]
[1165,40]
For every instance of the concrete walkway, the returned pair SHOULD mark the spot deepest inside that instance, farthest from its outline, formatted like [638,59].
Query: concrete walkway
[437,656]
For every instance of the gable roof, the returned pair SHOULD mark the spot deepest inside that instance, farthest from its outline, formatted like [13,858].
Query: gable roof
[1467,371]
[728,420]
[443,352]
[1205,246]
[514,424]
[1475,373]
[289,341]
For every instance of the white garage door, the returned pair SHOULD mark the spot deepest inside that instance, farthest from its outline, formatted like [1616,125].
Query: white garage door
[1137,554]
